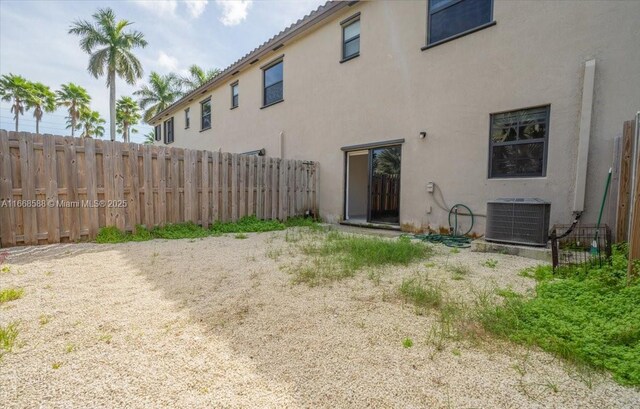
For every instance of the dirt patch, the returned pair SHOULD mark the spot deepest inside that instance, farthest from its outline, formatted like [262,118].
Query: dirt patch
[217,322]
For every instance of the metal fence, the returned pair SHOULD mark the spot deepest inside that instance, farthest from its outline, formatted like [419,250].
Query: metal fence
[584,245]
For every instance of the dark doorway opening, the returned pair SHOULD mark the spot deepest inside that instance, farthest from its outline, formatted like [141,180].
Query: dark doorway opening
[372,188]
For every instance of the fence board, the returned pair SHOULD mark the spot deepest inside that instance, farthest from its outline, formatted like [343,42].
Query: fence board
[624,190]
[133,203]
[71,175]
[147,184]
[175,187]
[7,217]
[162,185]
[204,203]
[159,184]
[92,186]
[215,187]
[53,214]
[30,220]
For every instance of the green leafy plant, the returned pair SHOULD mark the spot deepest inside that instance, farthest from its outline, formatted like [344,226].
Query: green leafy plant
[407,342]
[490,263]
[588,315]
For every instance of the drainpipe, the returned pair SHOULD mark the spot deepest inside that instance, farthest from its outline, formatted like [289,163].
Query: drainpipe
[634,172]
[584,136]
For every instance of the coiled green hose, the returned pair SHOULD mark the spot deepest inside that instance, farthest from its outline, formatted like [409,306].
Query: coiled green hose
[454,239]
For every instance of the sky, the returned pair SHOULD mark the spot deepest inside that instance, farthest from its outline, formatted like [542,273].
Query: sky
[34,43]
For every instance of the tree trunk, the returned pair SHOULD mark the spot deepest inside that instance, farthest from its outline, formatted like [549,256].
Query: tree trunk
[73,122]
[125,134]
[112,105]
[17,110]
[37,126]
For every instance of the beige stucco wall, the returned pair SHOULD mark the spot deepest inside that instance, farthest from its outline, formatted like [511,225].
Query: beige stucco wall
[534,55]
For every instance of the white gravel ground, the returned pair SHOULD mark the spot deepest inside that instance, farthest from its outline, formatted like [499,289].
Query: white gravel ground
[217,323]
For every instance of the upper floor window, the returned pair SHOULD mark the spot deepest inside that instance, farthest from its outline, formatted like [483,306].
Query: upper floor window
[158,132]
[187,119]
[168,131]
[273,84]
[234,95]
[518,143]
[351,37]
[452,18]
[205,114]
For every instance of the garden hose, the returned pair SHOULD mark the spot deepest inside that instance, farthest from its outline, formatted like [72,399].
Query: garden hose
[454,239]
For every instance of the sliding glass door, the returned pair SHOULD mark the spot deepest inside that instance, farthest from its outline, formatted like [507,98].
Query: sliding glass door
[384,185]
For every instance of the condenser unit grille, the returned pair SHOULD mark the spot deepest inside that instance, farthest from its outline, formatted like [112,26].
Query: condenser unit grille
[518,221]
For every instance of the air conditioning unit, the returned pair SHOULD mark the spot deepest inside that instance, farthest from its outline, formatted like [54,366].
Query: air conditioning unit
[518,221]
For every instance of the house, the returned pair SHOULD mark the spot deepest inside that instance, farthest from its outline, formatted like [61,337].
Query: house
[413,106]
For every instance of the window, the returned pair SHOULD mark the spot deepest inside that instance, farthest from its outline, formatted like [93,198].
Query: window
[158,132]
[452,18]
[168,131]
[351,38]
[234,95]
[273,90]
[205,114]
[518,143]
[187,119]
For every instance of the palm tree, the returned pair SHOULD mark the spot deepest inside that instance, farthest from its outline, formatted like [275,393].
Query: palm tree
[15,89]
[42,100]
[127,115]
[197,77]
[158,95]
[76,99]
[109,46]
[150,138]
[91,123]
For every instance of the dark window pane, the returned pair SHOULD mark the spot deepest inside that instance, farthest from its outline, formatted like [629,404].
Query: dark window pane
[447,21]
[206,115]
[234,101]
[352,30]
[158,133]
[273,93]
[351,47]
[525,159]
[273,74]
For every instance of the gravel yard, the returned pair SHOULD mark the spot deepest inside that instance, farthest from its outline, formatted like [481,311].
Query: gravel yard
[218,322]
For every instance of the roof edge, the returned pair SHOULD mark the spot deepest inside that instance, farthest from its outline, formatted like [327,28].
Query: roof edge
[294,30]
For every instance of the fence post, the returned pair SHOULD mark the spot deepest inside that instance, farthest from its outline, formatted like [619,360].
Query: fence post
[634,201]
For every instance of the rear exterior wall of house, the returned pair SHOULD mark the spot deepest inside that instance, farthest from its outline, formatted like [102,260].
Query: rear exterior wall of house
[533,56]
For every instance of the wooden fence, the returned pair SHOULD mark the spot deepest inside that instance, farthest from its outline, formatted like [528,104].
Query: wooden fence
[55,188]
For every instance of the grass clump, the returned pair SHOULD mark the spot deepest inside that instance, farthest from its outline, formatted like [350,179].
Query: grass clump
[407,343]
[10,294]
[420,294]
[587,315]
[540,272]
[248,224]
[8,335]
[340,256]
[459,271]
[490,263]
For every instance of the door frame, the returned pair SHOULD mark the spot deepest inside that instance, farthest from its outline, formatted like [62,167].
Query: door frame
[366,146]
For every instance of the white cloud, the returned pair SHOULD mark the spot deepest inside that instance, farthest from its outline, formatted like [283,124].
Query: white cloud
[233,12]
[196,7]
[167,62]
[159,7]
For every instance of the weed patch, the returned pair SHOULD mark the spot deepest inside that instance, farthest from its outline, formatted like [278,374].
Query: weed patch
[190,230]
[8,335]
[407,343]
[339,256]
[420,294]
[10,294]
[585,315]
